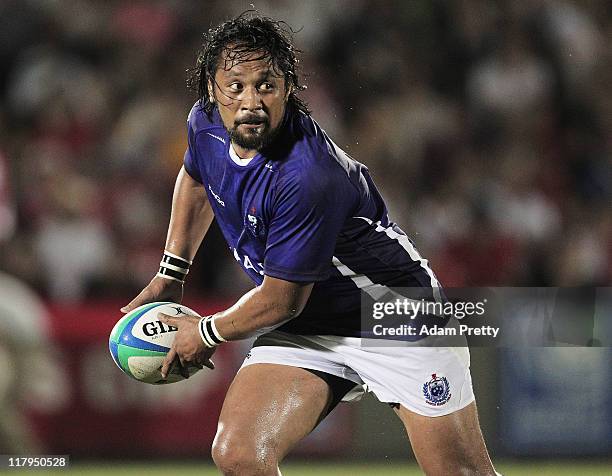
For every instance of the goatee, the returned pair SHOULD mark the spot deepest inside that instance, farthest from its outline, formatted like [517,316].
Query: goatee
[253,139]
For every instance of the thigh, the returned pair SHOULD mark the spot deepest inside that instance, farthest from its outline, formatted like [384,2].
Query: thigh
[270,407]
[448,445]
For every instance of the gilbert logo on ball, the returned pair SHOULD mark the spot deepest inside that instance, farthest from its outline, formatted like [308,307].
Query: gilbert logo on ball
[139,342]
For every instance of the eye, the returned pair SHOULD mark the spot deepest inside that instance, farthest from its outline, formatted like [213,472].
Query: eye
[235,87]
[267,86]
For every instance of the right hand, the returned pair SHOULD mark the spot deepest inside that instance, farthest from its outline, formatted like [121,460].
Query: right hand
[159,289]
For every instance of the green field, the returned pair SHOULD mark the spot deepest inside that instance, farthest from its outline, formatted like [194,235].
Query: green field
[338,469]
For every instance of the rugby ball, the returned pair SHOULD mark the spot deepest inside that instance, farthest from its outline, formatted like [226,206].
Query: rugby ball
[139,342]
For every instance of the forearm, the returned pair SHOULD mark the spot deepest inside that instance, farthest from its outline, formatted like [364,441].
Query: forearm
[261,308]
[190,219]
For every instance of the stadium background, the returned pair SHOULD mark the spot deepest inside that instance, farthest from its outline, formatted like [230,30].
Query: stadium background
[487,124]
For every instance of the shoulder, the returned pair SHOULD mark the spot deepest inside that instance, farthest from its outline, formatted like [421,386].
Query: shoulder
[312,172]
[309,134]
[304,146]
[311,129]
[314,154]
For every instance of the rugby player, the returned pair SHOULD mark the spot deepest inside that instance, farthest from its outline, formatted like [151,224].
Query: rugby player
[307,224]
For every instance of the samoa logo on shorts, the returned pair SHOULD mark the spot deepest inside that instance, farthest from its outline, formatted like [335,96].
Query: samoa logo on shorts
[437,390]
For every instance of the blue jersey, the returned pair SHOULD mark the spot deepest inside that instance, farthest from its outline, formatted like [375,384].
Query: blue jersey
[302,210]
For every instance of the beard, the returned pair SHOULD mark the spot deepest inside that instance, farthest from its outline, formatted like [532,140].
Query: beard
[252,138]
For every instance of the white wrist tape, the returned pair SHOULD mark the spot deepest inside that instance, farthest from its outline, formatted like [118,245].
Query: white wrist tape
[209,333]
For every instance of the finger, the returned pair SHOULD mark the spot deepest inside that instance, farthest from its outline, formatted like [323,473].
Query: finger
[134,303]
[167,363]
[170,320]
[129,307]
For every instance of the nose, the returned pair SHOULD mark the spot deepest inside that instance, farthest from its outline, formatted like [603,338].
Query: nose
[250,99]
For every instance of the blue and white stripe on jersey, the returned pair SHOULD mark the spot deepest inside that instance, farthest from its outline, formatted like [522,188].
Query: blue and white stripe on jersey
[407,245]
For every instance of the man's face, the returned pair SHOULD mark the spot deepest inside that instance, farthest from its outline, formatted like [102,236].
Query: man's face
[251,98]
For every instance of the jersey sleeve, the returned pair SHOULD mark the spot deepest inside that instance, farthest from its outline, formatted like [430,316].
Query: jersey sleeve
[190,159]
[308,214]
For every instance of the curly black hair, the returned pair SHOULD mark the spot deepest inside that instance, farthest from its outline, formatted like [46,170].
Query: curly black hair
[240,37]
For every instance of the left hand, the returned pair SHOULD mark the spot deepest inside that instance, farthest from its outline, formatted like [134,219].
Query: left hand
[188,346]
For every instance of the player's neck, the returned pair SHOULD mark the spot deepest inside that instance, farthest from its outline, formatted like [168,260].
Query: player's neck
[243,153]
[236,158]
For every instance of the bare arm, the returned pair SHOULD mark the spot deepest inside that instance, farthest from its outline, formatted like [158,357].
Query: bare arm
[190,219]
[191,216]
[270,304]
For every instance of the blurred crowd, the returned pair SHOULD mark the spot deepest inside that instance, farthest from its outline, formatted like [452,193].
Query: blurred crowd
[486,124]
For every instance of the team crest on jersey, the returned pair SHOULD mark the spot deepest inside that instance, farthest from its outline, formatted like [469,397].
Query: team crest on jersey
[437,390]
[255,224]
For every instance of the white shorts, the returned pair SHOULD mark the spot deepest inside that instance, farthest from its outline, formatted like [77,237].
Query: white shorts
[430,381]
